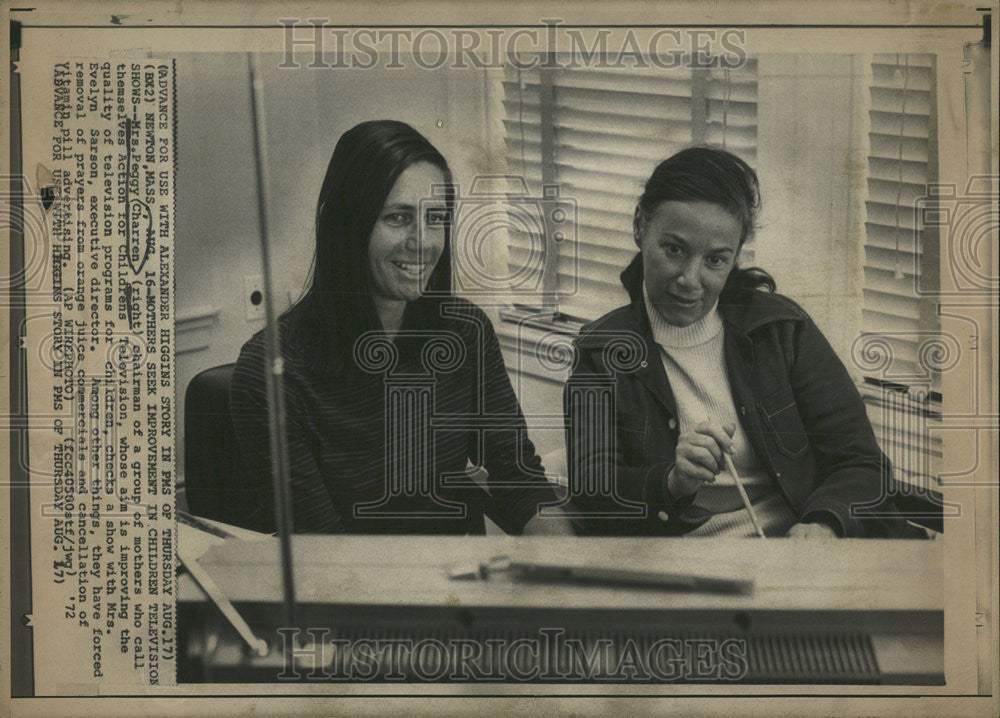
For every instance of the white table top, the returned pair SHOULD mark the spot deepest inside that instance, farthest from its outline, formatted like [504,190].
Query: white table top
[788,574]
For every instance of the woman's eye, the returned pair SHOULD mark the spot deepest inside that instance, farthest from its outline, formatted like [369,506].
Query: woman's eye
[717,262]
[674,250]
[396,219]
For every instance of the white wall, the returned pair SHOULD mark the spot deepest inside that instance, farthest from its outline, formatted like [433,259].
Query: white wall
[812,147]
[306,111]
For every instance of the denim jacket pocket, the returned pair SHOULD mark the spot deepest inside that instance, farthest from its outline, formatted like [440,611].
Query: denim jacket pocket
[781,417]
[632,431]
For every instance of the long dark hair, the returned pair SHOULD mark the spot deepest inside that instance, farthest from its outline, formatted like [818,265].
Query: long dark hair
[705,174]
[338,305]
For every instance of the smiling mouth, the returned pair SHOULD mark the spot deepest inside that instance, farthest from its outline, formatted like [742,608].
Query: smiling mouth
[683,302]
[414,269]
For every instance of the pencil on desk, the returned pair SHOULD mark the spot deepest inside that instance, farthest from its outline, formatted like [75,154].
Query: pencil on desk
[625,578]
[731,467]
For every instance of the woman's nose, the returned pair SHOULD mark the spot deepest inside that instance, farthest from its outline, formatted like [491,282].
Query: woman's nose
[690,276]
[412,237]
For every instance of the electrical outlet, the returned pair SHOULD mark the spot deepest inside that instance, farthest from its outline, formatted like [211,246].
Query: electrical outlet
[253,296]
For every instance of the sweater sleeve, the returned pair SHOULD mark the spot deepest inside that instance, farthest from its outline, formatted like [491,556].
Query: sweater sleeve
[312,507]
[516,483]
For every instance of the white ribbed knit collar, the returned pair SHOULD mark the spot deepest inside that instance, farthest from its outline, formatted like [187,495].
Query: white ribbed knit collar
[667,335]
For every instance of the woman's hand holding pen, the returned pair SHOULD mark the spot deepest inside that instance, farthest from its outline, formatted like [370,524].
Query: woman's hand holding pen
[699,457]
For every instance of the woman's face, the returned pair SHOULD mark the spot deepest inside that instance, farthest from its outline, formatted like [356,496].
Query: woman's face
[688,250]
[403,248]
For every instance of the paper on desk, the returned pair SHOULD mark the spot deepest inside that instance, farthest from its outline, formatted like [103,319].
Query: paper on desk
[194,542]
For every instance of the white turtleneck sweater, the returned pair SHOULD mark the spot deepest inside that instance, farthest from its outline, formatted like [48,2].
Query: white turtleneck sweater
[694,361]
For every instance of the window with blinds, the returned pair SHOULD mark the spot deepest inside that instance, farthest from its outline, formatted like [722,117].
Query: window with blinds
[596,135]
[900,325]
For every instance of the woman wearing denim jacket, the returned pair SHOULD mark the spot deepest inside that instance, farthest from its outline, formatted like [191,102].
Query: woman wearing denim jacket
[708,360]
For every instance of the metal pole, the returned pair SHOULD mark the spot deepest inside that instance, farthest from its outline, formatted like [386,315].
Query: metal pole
[274,369]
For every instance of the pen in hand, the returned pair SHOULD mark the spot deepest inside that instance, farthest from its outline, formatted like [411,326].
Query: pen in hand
[727,458]
[731,468]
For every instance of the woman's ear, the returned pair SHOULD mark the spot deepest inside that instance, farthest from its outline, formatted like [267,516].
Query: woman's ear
[637,227]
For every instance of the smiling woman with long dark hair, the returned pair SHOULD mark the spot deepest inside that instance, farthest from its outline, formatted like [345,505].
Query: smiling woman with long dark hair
[374,347]
[734,376]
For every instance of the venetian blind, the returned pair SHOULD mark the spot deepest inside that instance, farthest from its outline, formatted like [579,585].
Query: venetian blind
[596,134]
[900,273]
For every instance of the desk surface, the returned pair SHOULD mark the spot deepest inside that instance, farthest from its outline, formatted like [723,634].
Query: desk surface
[788,574]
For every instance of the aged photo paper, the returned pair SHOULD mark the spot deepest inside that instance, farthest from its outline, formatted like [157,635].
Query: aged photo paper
[167,190]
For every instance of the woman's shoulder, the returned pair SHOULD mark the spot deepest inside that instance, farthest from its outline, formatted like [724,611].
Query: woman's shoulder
[253,353]
[626,318]
[751,309]
[779,303]
[452,307]
[464,317]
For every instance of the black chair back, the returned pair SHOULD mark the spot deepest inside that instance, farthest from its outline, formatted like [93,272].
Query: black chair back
[214,479]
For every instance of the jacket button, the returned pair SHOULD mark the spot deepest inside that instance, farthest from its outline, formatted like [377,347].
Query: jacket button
[643,364]
[662,516]
[672,423]
[743,410]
